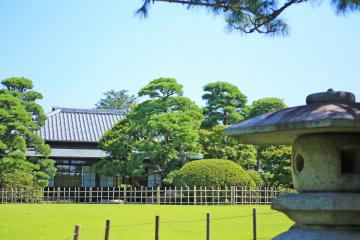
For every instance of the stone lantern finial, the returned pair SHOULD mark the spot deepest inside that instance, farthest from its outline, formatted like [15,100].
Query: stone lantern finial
[331,96]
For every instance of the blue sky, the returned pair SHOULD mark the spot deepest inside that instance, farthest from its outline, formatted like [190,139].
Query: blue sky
[76,50]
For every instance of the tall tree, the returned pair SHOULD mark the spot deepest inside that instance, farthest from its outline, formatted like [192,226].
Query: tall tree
[161,132]
[264,105]
[274,160]
[253,16]
[216,145]
[116,100]
[224,103]
[20,118]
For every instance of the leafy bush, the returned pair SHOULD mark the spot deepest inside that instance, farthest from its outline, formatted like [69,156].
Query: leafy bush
[17,179]
[24,184]
[257,177]
[212,172]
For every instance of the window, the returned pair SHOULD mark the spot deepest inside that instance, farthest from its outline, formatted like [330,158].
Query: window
[77,173]
[106,181]
[51,182]
[73,173]
[154,180]
[89,177]
[68,175]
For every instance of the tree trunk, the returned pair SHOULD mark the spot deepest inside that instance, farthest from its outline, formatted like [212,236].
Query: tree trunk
[225,119]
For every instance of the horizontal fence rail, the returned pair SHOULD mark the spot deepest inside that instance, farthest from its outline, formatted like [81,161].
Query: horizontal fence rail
[142,195]
[161,226]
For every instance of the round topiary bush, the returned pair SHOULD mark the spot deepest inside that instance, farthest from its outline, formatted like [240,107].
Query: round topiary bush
[257,177]
[212,172]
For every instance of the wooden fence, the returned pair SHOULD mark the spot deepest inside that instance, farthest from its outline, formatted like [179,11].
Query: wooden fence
[207,221]
[176,196]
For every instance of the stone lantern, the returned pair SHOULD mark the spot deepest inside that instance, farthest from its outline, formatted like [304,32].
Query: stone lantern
[325,138]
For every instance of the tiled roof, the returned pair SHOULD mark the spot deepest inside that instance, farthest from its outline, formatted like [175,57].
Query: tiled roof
[78,125]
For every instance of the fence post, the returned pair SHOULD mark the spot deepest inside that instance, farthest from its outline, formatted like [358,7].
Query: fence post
[157,227]
[213,195]
[175,195]
[107,229]
[208,226]
[205,195]
[158,195]
[77,232]
[58,194]
[194,195]
[152,195]
[231,194]
[254,223]
[90,195]
[181,195]
[146,194]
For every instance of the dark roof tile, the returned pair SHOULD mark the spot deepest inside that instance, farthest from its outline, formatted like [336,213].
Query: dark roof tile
[78,125]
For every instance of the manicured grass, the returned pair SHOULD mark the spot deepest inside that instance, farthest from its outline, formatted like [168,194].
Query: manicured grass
[56,221]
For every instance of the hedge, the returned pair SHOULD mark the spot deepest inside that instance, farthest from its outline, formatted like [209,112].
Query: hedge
[212,172]
[257,177]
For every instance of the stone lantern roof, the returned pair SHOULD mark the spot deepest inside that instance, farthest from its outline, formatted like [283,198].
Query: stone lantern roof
[327,112]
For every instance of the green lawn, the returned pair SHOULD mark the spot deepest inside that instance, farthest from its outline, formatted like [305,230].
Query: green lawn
[56,221]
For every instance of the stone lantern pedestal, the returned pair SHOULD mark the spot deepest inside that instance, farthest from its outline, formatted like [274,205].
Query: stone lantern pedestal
[325,136]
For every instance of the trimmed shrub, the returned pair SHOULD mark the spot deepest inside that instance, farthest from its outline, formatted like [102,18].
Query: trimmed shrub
[24,183]
[212,172]
[18,180]
[257,177]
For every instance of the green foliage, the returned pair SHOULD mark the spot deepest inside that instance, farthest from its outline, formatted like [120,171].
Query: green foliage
[170,178]
[224,103]
[257,177]
[212,172]
[20,118]
[162,88]
[276,161]
[116,100]
[23,182]
[253,16]
[17,179]
[217,145]
[264,105]
[164,132]
[161,130]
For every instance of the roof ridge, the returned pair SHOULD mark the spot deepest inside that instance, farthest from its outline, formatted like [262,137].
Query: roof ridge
[78,125]
[53,112]
[82,110]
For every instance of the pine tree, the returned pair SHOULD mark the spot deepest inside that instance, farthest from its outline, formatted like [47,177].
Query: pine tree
[20,118]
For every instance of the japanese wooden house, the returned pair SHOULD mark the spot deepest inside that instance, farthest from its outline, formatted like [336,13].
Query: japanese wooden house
[73,136]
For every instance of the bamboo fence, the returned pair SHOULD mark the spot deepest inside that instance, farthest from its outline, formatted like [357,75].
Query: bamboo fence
[142,195]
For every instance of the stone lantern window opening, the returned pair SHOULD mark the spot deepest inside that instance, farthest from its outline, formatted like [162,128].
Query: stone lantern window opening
[350,160]
[298,163]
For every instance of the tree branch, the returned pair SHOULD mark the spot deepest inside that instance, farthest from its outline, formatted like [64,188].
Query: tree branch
[223,5]
[260,17]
